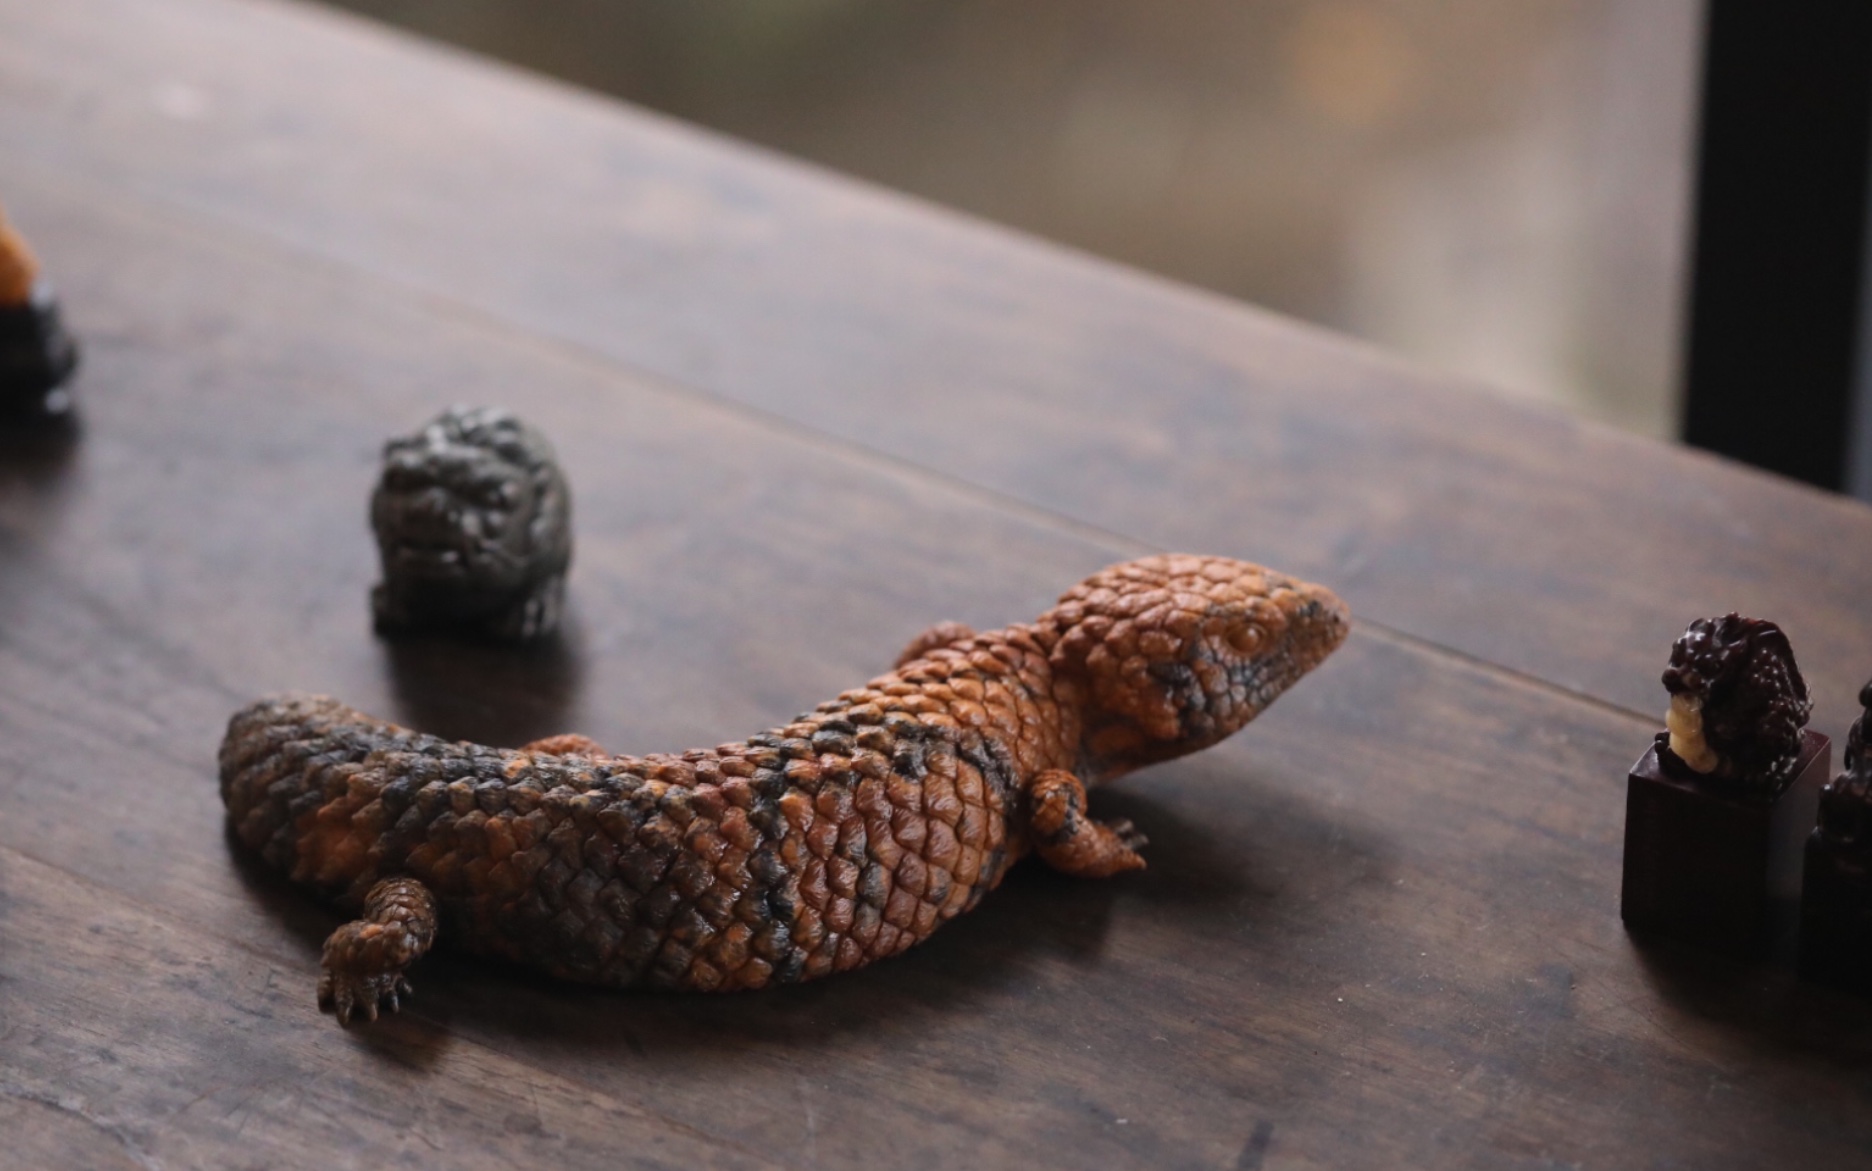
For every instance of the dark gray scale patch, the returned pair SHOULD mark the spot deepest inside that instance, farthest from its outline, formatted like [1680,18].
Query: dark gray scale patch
[790,967]
[405,834]
[781,906]
[992,759]
[764,815]
[638,949]
[397,796]
[1186,691]
[874,884]
[826,742]
[768,872]
[911,741]
[656,907]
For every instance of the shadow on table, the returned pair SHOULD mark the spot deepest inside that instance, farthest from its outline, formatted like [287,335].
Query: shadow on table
[37,453]
[1035,912]
[492,693]
[1036,947]
[409,1039]
[1767,1001]
[35,487]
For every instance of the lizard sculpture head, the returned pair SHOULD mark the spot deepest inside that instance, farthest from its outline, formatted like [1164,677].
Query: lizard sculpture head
[470,512]
[1174,653]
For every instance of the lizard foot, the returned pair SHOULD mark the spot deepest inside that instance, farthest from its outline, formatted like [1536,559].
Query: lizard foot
[939,635]
[1069,840]
[1128,834]
[365,959]
[349,994]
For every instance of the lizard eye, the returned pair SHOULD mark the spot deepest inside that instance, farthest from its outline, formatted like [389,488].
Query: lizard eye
[1246,638]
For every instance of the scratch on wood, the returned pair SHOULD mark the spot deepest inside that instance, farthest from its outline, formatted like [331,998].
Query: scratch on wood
[812,1124]
[198,1099]
[1256,1148]
[539,1117]
[77,1109]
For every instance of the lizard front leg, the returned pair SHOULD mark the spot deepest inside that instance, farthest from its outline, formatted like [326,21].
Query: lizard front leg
[1068,839]
[365,959]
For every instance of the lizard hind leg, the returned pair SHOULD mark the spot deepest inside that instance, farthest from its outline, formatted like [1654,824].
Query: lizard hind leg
[940,635]
[365,959]
[1068,839]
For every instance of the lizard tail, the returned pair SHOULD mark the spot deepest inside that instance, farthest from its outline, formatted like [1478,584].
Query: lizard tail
[285,756]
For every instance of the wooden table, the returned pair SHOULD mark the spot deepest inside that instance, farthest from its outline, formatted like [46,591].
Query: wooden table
[803,419]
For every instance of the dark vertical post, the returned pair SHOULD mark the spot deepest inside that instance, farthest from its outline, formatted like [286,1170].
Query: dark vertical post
[1780,234]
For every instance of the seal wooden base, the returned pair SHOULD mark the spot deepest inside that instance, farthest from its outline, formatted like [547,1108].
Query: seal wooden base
[1836,916]
[1717,871]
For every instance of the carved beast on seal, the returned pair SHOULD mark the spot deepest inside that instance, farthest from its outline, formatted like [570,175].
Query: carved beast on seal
[474,524]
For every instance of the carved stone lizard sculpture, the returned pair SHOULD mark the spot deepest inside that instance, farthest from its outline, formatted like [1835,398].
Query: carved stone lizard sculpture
[841,838]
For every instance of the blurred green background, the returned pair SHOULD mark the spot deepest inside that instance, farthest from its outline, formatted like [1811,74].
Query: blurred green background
[1496,187]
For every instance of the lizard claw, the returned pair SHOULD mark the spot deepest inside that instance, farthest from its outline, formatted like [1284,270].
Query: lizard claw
[365,959]
[348,996]
[398,993]
[1070,841]
[1129,835]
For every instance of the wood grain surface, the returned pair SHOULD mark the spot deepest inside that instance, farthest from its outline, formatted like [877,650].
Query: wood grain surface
[803,420]
[1047,377]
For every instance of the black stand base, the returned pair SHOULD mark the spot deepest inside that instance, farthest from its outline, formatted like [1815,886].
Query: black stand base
[1836,916]
[1720,872]
[37,356]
